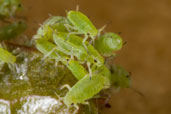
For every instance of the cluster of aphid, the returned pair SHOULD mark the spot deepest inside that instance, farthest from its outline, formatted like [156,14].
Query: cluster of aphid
[75,42]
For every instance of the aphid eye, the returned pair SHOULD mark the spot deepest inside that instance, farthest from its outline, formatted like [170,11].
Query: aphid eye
[127,76]
[95,60]
[19,5]
[107,105]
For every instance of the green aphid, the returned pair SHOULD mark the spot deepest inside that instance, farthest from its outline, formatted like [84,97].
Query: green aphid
[9,7]
[6,56]
[82,25]
[120,77]
[54,23]
[105,72]
[11,31]
[108,43]
[77,69]
[50,50]
[84,89]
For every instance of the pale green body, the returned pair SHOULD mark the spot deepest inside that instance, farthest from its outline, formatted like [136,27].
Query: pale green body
[53,24]
[120,77]
[108,43]
[82,23]
[84,89]
[6,56]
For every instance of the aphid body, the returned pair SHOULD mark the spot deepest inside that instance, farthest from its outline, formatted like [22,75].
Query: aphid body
[82,25]
[120,77]
[108,43]
[54,23]
[84,89]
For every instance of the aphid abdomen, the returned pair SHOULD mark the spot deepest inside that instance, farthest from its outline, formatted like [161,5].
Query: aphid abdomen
[78,70]
[82,23]
[6,56]
[108,43]
[84,89]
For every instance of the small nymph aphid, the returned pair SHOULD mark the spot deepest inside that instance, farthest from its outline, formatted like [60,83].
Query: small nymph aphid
[82,25]
[120,77]
[108,43]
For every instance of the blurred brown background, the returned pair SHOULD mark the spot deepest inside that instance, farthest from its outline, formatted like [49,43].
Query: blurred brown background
[146,26]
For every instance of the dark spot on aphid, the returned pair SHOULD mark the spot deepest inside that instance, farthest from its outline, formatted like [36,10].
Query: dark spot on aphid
[127,76]
[95,60]
[72,104]
[107,105]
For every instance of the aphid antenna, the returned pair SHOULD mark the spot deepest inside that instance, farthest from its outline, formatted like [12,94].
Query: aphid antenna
[65,86]
[137,91]
[50,15]
[77,7]
[89,69]
[100,30]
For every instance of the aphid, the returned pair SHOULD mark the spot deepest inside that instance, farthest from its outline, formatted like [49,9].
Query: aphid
[120,77]
[73,46]
[54,23]
[108,43]
[84,89]
[6,56]
[50,50]
[77,70]
[82,25]
[12,30]
[105,72]
[9,7]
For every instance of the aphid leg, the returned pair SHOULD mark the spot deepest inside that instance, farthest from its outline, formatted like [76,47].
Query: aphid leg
[89,69]
[60,98]
[77,7]
[72,57]
[84,40]
[78,33]
[69,27]
[65,86]
[50,52]
[76,108]
[100,30]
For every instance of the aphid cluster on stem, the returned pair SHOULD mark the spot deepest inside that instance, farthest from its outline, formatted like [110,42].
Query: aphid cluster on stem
[66,39]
